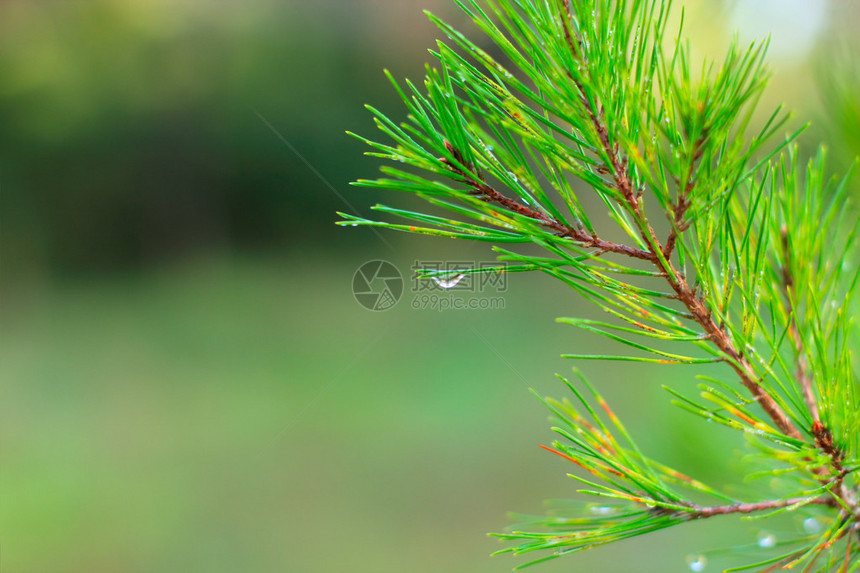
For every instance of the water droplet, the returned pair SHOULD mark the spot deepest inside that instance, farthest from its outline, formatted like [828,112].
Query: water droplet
[811,525]
[354,225]
[766,539]
[602,510]
[696,562]
[448,283]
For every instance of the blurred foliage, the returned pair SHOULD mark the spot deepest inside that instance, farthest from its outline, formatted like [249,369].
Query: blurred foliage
[250,416]
[840,92]
[130,130]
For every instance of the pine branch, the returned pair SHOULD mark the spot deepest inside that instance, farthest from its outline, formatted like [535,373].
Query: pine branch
[595,98]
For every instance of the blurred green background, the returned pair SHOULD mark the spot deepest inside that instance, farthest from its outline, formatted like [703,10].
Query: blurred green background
[187,381]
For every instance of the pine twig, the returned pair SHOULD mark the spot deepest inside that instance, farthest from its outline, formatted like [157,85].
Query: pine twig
[698,512]
[803,375]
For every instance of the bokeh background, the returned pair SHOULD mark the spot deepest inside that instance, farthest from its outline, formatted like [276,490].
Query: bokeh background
[187,381]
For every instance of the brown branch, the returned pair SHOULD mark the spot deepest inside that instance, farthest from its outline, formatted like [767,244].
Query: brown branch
[824,442]
[578,235]
[680,210]
[803,375]
[739,363]
[596,242]
[566,23]
[684,203]
[700,512]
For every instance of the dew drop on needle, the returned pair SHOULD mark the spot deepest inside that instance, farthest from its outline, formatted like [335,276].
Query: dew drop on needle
[766,539]
[448,283]
[811,525]
[696,563]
